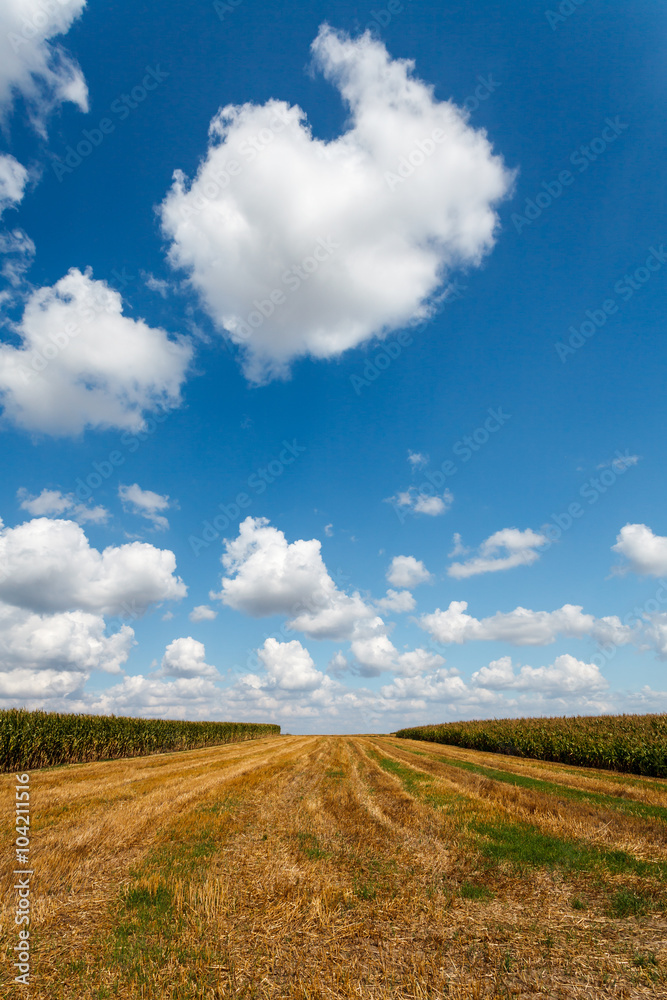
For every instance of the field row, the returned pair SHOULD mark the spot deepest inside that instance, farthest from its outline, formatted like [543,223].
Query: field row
[331,867]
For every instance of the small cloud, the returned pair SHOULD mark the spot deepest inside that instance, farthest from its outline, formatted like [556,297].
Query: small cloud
[417,460]
[202,613]
[408,572]
[433,505]
[145,503]
[13,180]
[185,657]
[459,548]
[645,552]
[158,285]
[53,503]
[417,502]
[17,251]
[621,462]
[519,548]
[107,371]
[328,530]
[398,601]
[167,616]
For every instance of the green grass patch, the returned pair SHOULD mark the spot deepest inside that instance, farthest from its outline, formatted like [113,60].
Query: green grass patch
[410,779]
[309,845]
[625,903]
[365,889]
[220,806]
[477,892]
[416,784]
[644,960]
[149,901]
[523,845]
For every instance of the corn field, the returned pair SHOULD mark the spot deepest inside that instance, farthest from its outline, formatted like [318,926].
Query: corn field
[30,740]
[632,743]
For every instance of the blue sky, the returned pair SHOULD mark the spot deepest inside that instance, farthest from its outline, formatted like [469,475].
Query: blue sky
[332,364]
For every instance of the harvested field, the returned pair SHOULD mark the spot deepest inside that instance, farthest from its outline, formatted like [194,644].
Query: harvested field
[341,867]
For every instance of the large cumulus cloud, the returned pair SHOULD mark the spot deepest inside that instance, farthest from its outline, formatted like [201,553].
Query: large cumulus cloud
[303,246]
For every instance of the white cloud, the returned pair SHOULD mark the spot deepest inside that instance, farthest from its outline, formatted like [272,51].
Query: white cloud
[406,571]
[565,676]
[566,683]
[33,65]
[396,600]
[290,687]
[523,627]
[433,505]
[328,530]
[257,696]
[153,697]
[374,653]
[441,685]
[646,553]
[53,503]
[338,664]
[289,665]
[31,688]
[18,252]
[202,613]
[145,503]
[417,460]
[13,179]
[519,548]
[655,633]
[46,659]
[420,502]
[266,575]
[48,566]
[621,463]
[357,249]
[83,364]
[459,549]
[158,285]
[73,641]
[48,502]
[185,657]
[331,615]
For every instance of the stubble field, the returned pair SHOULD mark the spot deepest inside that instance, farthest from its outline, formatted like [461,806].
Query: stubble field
[340,867]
